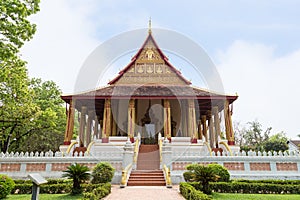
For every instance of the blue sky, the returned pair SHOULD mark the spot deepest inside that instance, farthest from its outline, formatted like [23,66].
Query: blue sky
[255,46]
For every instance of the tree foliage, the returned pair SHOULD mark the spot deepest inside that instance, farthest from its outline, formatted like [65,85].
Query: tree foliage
[254,138]
[15,28]
[30,110]
[45,129]
[277,142]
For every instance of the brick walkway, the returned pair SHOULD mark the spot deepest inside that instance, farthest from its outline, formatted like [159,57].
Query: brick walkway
[144,193]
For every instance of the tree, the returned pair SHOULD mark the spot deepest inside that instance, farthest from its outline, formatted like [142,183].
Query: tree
[16,104]
[252,137]
[15,29]
[45,130]
[277,142]
[78,173]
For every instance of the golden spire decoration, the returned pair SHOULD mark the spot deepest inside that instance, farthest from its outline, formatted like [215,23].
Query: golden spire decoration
[149,29]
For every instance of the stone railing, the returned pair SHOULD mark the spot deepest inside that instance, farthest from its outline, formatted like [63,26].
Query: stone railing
[52,164]
[244,165]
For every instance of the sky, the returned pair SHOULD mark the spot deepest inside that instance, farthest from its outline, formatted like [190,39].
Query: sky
[255,46]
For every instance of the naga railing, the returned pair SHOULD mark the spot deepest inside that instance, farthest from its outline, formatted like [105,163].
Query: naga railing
[136,150]
[160,150]
[208,147]
[125,175]
[89,147]
[167,173]
[227,147]
[71,146]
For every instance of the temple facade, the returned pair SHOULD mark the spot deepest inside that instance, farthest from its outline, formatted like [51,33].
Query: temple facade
[150,96]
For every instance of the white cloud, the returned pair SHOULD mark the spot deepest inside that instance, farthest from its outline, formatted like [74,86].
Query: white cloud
[266,85]
[62,42]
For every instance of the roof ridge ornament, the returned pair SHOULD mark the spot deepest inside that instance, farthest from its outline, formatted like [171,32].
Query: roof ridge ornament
[149,28]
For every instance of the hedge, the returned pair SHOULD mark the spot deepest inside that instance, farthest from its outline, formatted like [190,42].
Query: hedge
[189,192]
[283,182]
[49,181]
[254,188]
[56,188]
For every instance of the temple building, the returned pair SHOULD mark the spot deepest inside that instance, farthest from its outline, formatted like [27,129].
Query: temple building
[150,98]
[150,123]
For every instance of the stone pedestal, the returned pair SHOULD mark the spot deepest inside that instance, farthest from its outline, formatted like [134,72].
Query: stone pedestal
[63,148]
[128,154]
[166,155]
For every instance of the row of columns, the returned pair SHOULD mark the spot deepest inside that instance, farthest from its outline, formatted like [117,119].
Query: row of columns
[207,123]
[88,123]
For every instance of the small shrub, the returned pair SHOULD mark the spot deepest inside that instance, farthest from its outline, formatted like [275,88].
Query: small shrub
[189,192]
[89,196]
[6,186]
[204,175]
[220,171]
[78,173]
[191,167]
[98,192]
[103,172]
[188,176]
[90,187]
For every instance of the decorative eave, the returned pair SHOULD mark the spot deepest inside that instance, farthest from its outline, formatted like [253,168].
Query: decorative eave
[149,91]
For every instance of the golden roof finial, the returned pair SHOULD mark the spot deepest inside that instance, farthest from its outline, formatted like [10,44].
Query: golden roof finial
[149,29]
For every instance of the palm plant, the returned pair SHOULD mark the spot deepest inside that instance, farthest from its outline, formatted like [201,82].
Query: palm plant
[78,173]
[204,175]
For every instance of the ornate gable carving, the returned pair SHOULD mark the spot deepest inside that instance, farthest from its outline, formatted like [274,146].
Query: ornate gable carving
[150,68]
[150,54]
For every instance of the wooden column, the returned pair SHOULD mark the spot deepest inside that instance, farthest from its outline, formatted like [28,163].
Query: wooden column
[184,118]
[228,124]
[131,118]
[203,120]
[70,123]
[217,123]
[192,119]
[211,130]
[82,125]
[96,130]
[88,135]
[106,130]
[167,119]
[200,130]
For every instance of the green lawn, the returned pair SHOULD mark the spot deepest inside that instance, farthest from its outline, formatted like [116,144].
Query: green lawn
[45,197]
[230,196]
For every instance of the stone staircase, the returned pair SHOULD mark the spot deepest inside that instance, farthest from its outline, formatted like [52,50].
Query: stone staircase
[147,172]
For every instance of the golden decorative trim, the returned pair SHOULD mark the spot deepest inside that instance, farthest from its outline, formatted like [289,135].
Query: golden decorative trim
[70,146]
[89,147]
[227,147]
[168,176]
[125,175]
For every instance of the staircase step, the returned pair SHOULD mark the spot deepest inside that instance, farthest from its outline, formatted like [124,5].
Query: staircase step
[146,178]
[146,184]
[148,175]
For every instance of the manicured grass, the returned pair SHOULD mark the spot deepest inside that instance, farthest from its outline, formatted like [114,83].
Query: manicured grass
[45,197]
[231,196]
